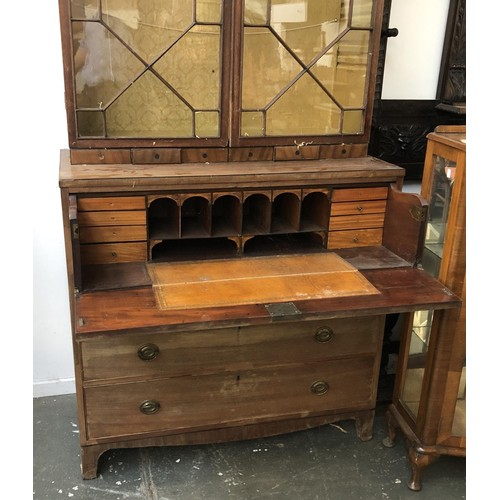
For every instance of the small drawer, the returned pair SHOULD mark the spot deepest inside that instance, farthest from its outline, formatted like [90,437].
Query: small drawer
[210,351]
[246,397]
[356,194]
[108,234]
[156,155]
[112,253]
[368,221]
[112,203]
[112,218]
[358,207]
[355,238]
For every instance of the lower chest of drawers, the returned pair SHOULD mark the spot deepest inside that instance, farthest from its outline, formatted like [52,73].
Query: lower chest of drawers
[169,382]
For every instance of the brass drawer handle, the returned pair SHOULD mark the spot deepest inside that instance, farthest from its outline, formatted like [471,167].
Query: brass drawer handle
[323,334]
[149,407]
[147,352]
[319,387]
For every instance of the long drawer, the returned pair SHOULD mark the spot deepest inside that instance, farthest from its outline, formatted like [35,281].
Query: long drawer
[234,398]
[211,351]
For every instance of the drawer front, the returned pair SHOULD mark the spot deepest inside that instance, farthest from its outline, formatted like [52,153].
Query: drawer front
[112,218]
[358,208]
[368,221]
[353,194]
[112,203]
[355,238]
[111,253]
[212,351]
[112,234]
[184,403]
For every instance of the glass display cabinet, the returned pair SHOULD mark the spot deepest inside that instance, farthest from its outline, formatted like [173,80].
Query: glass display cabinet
[429,394]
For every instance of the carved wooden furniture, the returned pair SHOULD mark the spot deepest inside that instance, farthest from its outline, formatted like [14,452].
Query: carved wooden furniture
[429,394]
[232,252]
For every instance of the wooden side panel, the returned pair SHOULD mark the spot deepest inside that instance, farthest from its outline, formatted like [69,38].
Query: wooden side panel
[404,230]
[75,241]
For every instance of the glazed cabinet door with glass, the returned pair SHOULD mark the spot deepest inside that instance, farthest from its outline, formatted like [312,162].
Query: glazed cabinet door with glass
[177,73]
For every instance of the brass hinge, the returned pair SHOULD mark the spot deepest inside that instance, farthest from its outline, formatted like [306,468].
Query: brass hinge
[282,310]
[75,231]
[418,213]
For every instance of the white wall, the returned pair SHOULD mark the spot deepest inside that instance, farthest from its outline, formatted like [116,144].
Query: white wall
[46,124]
[412,68]
[413,57]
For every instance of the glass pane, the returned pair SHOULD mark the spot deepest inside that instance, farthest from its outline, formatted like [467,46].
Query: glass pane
[148,26]
[459,420]
[305,109]
[149,109]
[103,66]
[439,206]
[307,27]
[90,123]
[343,69]
[353,122]
[84,9]
[207,124]
[208,11]
[256,11]
[267,68]
[417,357]
[252,124]
[192,67]
[362,13]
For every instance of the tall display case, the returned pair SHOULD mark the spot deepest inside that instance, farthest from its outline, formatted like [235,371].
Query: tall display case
[429,395]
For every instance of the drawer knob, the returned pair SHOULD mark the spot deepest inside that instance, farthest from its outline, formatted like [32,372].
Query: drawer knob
[323,334]
[149,407]
[319,387]
[359,208]
[147,352]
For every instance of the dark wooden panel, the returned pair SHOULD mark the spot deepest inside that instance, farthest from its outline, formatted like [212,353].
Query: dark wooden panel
[400,128]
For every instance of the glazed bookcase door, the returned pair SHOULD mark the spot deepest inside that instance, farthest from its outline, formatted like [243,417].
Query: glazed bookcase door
[304,69]
[176,73]
[146,69]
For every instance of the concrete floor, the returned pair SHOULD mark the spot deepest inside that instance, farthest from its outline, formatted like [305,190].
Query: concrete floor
[327,463]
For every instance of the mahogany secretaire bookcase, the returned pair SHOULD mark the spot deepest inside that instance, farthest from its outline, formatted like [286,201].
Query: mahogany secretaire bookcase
[232,251]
